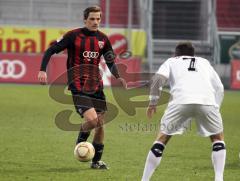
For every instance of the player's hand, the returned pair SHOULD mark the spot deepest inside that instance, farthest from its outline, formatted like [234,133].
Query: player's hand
[152,109]
[42,77]
[123,82]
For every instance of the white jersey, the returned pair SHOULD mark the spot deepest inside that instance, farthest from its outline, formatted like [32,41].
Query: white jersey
[192,80]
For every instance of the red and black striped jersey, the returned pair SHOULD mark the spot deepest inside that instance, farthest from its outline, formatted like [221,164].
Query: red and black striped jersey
[85,49]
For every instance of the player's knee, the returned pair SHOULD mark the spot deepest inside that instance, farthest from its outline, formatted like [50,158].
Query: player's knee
[157,149]
[219,145]
[93,121]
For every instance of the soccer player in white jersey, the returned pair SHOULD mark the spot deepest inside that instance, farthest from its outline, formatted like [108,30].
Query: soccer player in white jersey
[196,92]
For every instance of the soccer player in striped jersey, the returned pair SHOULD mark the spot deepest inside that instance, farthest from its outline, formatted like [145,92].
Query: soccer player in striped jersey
[196,92]
[85,47]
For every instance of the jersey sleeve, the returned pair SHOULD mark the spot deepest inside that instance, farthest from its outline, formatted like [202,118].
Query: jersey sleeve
[55,48]
[108,52]
[109,57]
[164,69]
[107,47]
[63,43]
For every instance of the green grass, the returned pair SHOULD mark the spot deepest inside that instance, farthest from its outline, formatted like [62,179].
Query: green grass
[32,147]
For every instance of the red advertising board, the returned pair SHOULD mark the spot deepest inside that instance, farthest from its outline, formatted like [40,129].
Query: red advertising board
[19,68]
[22,68]
[235,74]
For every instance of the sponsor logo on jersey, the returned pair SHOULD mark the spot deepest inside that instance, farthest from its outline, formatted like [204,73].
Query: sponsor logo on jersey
[90,55]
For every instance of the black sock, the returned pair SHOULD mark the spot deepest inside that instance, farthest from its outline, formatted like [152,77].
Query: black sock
[98,152]
[82,136]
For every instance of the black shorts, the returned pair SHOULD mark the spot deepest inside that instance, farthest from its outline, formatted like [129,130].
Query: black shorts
[83,102]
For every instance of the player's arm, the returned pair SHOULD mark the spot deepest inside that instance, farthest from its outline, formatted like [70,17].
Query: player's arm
[109,57]
[55,48]
[157,82]
[218,87]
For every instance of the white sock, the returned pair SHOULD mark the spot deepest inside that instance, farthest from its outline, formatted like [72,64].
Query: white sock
[151,164]
[218,160]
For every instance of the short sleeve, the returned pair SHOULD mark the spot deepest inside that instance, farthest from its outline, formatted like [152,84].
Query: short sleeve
[164,69]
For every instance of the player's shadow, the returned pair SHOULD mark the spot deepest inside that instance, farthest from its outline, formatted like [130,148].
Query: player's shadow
[35,168]
[229,166]
[66,170]
[233,165]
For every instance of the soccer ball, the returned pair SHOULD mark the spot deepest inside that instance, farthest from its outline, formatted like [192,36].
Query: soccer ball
[84,151]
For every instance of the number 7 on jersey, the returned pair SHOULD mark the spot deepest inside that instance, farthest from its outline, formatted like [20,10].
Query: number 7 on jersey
[192,64]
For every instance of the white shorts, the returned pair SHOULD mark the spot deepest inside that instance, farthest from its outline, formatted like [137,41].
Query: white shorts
[177,119]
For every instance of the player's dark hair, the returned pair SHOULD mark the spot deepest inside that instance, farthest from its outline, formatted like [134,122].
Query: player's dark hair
[184,48]
[94,9]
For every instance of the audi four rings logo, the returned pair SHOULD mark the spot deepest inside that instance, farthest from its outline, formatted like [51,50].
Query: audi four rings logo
[89,54]
[12,69]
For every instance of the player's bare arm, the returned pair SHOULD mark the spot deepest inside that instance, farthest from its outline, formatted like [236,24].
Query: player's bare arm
[157,82]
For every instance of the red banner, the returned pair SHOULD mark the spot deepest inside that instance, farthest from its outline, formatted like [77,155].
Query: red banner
[235,74]
[20,68]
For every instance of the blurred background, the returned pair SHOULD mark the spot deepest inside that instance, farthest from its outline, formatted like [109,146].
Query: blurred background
[149,29]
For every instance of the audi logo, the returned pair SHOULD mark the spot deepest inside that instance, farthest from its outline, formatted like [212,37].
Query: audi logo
[89,54]
[12,69]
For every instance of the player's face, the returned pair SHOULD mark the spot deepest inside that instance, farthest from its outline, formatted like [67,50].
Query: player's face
[93,21]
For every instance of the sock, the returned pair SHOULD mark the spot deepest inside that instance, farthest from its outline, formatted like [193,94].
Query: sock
[153,160]
[82,136]
[98,152]
[218,159]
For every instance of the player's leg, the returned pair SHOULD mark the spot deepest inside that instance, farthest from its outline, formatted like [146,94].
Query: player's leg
[90,122]
[218,155]
[174,121]
[99,130]
[155,155]
[84,107]
[98,144]
[209,123]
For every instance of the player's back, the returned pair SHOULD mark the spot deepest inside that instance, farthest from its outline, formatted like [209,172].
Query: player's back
[191,80]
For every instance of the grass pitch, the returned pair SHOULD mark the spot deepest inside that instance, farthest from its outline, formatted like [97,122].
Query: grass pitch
[34,148]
